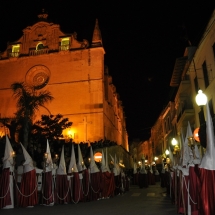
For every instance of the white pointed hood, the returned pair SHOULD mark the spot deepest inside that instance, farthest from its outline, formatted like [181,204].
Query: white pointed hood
[49,158]
[182,148]
[208,160]
[143,168]
[151,168]
[116,164]
[93,166]
[106,161]
[8,155]
[103,165]
[28,164]
[186,149]
[80,165]
[62,165]
[72,163]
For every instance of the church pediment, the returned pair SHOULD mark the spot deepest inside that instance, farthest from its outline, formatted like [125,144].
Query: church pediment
[42,38]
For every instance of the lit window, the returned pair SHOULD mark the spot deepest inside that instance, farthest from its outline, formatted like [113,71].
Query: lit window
[40,46]
[65,43]
[15,50]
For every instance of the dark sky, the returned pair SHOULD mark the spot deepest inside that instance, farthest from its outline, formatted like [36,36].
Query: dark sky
[142,39]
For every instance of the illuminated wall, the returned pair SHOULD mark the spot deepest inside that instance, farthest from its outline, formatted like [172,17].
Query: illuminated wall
[74,73]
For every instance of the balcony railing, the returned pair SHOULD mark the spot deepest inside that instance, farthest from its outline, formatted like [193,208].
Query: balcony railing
[38,52]
[64,47]
[14,54]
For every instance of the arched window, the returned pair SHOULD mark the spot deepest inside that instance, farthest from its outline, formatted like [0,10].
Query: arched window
[40,46]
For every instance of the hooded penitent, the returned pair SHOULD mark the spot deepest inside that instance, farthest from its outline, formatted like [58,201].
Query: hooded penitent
[28,188]
[186,149]
[49,162]
[103,165]
[206,171]
[72,165]
[116,164]
[208,160]
[106,162]
[62,165]
[80,165]
[93,166]
[8,156]
[47,186]
[6,181]
[28,164]
[115,170]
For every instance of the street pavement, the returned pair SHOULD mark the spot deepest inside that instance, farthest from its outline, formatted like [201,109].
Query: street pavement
[146,201]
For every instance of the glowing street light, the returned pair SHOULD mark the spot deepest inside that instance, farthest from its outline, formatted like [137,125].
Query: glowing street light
[167,152]
[174,142]
[201,98]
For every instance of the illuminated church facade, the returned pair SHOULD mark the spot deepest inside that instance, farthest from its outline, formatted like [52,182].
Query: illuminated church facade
[73,72]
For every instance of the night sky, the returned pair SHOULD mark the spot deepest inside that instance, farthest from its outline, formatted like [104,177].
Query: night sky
[141,41]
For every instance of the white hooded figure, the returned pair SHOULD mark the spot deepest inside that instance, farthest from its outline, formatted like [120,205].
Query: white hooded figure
[93,167]
[116,164]
[49,163]
[72,165]
[80,165]
[62,165]
[62,183]
[29,183]
[207,169]
[8,162]
[48,187]
[143,168]
[106,162]
[150,169]
[187,157]
[208,160]
[103,163]
[74,177]
[28,164]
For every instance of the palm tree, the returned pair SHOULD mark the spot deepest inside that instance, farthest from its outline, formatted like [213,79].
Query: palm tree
[28,102]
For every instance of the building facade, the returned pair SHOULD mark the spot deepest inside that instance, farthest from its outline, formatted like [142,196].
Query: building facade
[73,72]
[193,71]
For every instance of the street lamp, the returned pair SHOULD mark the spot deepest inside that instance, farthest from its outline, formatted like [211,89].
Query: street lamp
[167,152]
[201,99]
[175,145]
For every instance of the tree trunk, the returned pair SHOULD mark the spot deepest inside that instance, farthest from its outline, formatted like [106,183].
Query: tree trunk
[25,133]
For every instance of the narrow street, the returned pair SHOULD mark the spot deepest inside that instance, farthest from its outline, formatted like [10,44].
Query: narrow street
[146,201]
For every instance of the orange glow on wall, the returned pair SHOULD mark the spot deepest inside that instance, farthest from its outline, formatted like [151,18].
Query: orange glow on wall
[196,134]
[98,156]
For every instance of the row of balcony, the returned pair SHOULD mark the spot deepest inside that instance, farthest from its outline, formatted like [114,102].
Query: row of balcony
[38,52]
